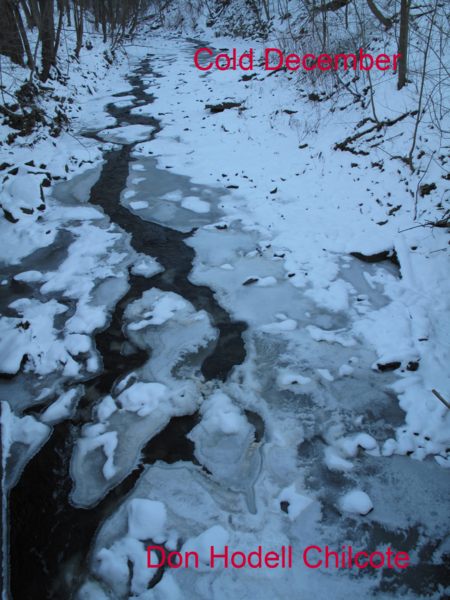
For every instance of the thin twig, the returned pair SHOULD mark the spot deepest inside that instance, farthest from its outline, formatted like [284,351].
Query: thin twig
[437,394]
[417,189]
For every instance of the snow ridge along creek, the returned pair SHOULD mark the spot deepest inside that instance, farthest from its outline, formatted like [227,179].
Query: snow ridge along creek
[225,407]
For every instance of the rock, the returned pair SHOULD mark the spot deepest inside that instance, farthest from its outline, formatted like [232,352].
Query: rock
[389,366]
[412,366]
[373,258]
[217,108]
[427,188]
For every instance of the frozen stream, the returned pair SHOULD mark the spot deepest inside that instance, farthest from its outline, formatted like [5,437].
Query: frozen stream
[229,410]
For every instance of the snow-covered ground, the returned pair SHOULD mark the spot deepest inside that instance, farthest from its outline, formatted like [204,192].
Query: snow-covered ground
[341,355]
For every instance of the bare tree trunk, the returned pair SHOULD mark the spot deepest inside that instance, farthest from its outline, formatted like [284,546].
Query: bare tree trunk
[379,15]
[324,27]
[47,32]
[403,42]
[419,111]
[60,20]
[10,40]
[135,19]
[69,23]
[103,21]
[96,9]
[29,17]
[23,33]
[35,13]
[266,9]
[111,18]
[78,18]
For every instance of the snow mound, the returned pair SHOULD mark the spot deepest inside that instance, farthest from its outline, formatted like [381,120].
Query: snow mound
[356,502]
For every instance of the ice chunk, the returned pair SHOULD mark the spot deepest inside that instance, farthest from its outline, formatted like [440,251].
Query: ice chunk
[162,310]
[362,440]
[265,281]
[227,267]
[326,374]
[108,441]
[146,266]
[147,520]
[29,276]
[195,204]
[346,370]
[171,327]
[335,462]
[139,205]
[224,444]
[444,462]
[356,502]
[286,325]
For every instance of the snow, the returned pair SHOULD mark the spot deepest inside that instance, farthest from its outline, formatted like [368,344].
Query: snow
[346,370]
[297,502]
[143,398]
[64,407]
[105,409]
[108,441]
[356,502]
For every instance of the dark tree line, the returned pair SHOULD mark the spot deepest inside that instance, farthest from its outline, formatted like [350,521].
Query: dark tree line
[115,19]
